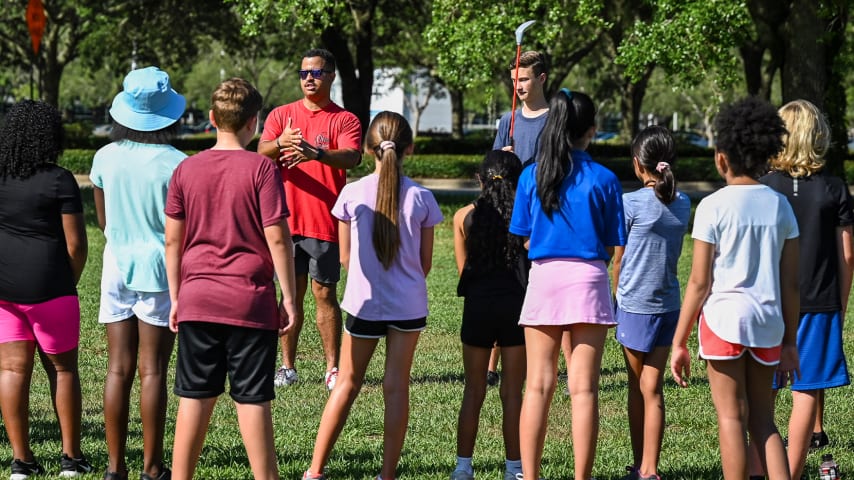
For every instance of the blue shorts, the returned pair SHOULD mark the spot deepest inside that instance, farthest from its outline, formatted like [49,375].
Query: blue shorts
[644,332]
[820,350]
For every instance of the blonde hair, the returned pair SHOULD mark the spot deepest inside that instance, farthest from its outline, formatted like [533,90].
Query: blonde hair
[388,127]
[807,141]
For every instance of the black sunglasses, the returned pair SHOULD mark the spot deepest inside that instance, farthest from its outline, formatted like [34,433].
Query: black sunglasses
[303,74]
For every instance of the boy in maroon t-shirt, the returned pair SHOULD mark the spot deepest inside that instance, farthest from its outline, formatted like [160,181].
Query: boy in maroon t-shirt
[226,236]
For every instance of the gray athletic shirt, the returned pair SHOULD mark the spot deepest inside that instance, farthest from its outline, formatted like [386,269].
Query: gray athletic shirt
[526,133]
[648,282]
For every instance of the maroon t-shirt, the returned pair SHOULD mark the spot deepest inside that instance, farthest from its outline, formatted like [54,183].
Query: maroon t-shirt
[226,198]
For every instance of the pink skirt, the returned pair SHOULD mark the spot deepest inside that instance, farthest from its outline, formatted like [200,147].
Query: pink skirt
[564,291]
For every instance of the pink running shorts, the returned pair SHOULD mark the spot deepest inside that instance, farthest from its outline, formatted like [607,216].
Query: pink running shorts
[53,325]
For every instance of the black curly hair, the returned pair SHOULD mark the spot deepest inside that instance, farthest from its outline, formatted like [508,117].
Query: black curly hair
[750,132]
[489,244]
[31,139]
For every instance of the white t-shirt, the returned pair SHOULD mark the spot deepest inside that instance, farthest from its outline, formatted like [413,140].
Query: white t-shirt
[748,225]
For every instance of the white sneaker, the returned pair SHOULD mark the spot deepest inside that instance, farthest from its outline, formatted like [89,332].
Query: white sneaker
[285,376]
[331,378]
[515,476]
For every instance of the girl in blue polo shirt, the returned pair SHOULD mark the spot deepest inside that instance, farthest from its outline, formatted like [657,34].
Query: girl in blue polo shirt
[571,211]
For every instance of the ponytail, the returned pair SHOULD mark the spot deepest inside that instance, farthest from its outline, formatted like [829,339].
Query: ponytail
[388,137]
[655,150]
[571,114]
[386,235]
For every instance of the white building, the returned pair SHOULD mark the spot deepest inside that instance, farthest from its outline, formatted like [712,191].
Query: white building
[406,97]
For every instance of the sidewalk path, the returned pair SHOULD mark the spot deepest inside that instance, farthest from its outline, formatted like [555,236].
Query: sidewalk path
[453,186]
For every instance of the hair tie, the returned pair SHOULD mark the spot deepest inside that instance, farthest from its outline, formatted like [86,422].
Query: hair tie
[567,92]
[386,144]
[662,166]
[497,177]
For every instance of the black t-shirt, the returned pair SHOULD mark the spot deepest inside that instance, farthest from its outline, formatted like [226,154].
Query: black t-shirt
[821,204]
[34,264]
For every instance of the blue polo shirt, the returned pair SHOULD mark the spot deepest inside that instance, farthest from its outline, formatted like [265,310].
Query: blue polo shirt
[590,217]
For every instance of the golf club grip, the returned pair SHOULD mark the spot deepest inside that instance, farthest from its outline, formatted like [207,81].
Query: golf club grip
[515,83]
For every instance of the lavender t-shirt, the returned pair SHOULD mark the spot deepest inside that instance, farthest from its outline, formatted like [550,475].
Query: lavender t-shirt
[373,293]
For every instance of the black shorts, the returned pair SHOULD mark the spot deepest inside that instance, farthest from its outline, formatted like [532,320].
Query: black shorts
[357,327]
[207,352]
[491,320]
[319,259]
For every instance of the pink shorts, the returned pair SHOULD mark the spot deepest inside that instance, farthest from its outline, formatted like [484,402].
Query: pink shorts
[713,347]
[564,291]
[53,325]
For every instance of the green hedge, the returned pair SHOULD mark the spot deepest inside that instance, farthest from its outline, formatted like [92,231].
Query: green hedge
[686,169]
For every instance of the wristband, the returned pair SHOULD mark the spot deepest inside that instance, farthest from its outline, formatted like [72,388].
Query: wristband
[278,145]
[320,153]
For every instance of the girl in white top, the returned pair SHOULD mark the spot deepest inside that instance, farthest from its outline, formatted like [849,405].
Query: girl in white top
[744,288]
[386,242]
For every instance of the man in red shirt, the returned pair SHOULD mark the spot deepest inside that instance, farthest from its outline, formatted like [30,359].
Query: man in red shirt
[314,141]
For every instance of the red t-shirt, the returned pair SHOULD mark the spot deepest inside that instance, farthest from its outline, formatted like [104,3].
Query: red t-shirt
[312,187]
[226,198]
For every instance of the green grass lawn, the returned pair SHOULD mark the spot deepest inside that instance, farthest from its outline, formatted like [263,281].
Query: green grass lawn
[690,443]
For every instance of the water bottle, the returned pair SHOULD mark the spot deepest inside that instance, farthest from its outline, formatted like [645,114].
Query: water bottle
[828,470]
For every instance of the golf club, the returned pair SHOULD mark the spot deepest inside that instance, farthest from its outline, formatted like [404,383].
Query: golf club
[520,31]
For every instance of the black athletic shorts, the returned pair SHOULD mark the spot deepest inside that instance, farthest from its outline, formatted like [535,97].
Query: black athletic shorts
[207,352]
[379,328]
[491,320]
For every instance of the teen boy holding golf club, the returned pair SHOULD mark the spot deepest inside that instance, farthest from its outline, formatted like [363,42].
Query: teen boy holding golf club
[531,118]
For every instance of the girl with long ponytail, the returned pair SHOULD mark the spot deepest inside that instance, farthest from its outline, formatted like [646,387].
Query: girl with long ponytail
[386,225]
[570,210]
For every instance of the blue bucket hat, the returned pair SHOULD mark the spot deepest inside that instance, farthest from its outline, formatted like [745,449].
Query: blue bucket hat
[148,102]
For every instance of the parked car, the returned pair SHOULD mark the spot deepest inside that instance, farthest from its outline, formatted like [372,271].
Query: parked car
[689,137]
[102,130]
[603,136]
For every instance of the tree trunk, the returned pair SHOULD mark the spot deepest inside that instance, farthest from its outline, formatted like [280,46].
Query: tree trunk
[631,100]
[458,113]
[812,69]
[356,73]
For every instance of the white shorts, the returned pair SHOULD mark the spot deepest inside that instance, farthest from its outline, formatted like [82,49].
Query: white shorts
[118,302]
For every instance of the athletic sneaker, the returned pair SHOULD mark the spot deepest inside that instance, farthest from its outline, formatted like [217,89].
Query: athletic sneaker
[115,476]
[285,376]
[819,440]
[651,477]
[22,470]
[165,474]
[518,476]
[331,378]
[309,476]
[462,475]
[632,473]
[72,467]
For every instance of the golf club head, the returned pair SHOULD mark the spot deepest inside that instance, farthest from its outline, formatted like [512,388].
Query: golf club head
[520,30]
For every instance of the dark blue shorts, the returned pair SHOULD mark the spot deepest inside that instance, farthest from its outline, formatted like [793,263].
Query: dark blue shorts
[645,332]
[820,350]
